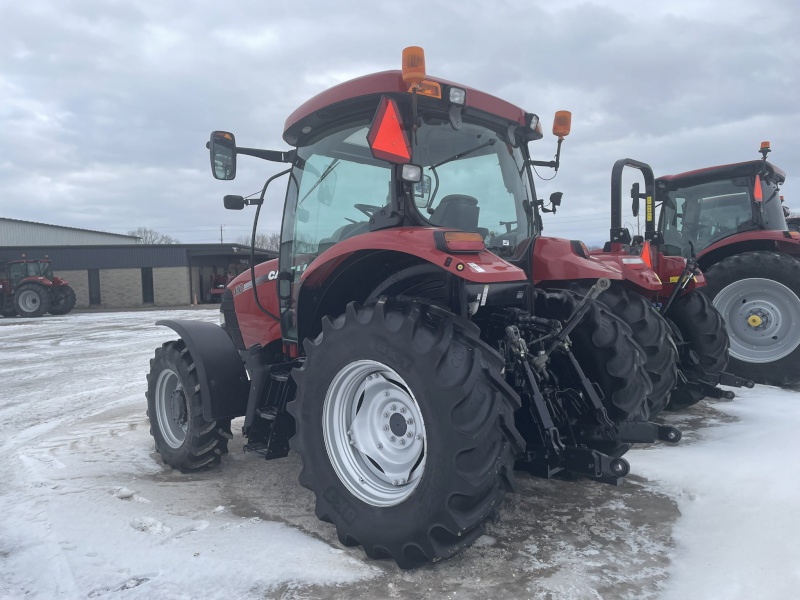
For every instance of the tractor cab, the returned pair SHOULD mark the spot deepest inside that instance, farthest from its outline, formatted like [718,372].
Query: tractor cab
[17,270]
[701,208]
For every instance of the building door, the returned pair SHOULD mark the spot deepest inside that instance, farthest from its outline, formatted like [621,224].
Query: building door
[147,285]
[94,287]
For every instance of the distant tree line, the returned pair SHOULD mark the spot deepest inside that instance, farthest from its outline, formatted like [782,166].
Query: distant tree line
[151,236]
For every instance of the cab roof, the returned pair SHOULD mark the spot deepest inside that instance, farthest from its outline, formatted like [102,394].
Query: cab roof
[390,82]
[742,169]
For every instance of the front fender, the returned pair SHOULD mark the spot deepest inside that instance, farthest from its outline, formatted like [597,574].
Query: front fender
[224,385]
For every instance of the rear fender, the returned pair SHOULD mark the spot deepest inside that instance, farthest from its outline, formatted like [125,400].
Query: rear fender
[635,271]
[224,385]
[555,260]
[749,241]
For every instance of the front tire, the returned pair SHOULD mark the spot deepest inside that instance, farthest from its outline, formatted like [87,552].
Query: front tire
[406,430]
[758,294]
[184,438]
[63,300]
[31,300]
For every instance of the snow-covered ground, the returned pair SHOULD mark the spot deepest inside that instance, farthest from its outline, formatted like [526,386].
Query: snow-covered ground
[88,510]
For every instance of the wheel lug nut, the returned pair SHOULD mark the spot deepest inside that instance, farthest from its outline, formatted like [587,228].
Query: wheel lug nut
[419,436]
[394,482]
[386,415]
[393,407]
[386,428]
[402,442]
[410,421]
[409,435]
[386,393]
[402,481]
[380,446]
[392,439]
[403,410]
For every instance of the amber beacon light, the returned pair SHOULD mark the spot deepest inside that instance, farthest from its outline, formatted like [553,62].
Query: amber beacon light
[413,65]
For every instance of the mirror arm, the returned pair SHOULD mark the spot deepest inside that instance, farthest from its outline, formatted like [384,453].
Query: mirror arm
[553,164]
[271,155]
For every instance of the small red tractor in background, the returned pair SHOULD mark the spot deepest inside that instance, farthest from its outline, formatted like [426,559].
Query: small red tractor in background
[216,287]
[28,288]
[400,343]
[730,220]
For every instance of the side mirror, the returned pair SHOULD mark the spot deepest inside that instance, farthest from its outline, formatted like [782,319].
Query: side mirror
[555,198]
[635,195]
[222,149]
[234,202]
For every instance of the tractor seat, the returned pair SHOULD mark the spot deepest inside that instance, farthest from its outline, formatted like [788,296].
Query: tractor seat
[457,211]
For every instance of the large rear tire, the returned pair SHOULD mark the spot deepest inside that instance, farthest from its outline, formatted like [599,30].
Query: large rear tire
[31,300]
[652,332]
[406,430]
[699,324]
[63,300]
[184,438]
[604,347]
[758,294]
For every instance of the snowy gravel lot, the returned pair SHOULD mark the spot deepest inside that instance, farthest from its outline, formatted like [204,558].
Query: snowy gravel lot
[87,510]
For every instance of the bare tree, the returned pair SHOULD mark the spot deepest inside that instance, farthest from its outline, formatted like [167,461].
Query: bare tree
[151,236]
[264,241]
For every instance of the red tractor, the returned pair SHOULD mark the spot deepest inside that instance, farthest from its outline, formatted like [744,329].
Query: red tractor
[28,288]
[216,286]
[399,344]
[730,220]
[674,298]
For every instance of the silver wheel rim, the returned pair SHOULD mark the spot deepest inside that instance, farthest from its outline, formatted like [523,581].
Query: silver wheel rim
[374,433]
[762,318]
[29,301]
[169,395]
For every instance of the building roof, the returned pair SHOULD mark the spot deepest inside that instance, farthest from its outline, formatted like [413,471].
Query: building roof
[122,235]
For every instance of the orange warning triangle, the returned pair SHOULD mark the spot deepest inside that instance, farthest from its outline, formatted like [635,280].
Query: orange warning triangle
[646,254]
[386,137]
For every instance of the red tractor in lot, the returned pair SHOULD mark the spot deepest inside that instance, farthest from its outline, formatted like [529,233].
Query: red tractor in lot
[28,288]
[674,297]
[730,220]
[400,344]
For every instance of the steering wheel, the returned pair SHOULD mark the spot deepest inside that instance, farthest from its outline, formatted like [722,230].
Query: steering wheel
[367,209]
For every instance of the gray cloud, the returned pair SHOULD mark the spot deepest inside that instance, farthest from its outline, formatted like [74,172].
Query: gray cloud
[107,104]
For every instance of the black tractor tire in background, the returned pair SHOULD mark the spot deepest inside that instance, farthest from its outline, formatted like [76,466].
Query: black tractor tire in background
[8,312]
[764,286]
[652,332]
[696,322]
[604,347]
[461,439]
[184,438]
[62,299]
[31,300]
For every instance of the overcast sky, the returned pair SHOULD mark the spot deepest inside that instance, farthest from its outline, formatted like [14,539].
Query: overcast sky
[105,105]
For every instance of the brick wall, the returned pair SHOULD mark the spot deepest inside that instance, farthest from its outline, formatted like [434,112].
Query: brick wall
[120,288]
[171,286]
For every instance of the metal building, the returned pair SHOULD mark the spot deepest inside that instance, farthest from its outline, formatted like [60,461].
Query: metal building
[14,232]
[121,274]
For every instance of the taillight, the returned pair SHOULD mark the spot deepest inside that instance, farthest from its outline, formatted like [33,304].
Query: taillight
[459,241]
